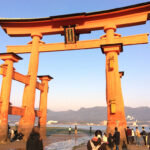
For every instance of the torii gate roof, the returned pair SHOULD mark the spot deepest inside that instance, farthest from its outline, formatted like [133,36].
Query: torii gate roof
[85,22]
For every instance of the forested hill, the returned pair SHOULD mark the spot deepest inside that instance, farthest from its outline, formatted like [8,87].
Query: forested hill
[96,114]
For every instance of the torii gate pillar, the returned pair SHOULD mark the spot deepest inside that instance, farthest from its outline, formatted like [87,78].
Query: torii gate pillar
[115,104]
[9,59]
[27,120]
[43,105]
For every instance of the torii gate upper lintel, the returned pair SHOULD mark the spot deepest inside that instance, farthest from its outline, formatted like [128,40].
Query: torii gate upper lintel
[71,26]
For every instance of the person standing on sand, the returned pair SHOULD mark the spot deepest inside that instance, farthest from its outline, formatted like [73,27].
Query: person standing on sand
[137,136]
[75,130]
[34,141]
[110,141]
[104,139]
[69,130]
[116,138]
[132,136]
[96,142]
[144,134]
[129,133]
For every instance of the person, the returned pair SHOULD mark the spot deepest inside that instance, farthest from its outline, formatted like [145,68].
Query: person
[34,141]
[20,136]
[69,130]
[96,142]
[110,141]
[90,130]
[9,132]
[116,138]
[148,139]
[75,130]
[104,139]
[132,136]
[12,135]
[137,136]
[143,134]
[129,133]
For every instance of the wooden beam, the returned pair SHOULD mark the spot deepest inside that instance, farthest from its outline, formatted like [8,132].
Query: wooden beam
[88,44]
[13,110]
[21,78]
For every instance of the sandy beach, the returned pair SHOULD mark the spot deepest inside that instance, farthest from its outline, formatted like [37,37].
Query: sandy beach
[21,145]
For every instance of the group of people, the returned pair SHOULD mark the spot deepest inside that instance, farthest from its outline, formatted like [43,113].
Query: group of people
[137,137]
[75,130]
[100,142]
[13,134]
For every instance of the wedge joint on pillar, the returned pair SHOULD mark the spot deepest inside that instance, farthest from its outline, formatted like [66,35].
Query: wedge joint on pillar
[10,56]
[121,74]
[118,47]
[45,77]
[36,34]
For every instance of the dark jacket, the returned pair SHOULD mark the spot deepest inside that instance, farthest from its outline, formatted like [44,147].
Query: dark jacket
[96,142]
[143,133]
[116,138]
[34,142]
[110,141]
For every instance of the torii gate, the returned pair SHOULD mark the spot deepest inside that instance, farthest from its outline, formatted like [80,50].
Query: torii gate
[72,26]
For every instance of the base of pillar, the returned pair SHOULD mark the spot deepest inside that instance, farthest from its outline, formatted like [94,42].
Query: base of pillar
[3,133]
[42,132]
[26,123]
[121,125]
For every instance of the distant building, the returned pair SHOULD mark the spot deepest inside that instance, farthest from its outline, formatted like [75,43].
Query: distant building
[52,122]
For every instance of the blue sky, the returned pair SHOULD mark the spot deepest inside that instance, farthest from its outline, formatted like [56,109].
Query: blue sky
[79,76]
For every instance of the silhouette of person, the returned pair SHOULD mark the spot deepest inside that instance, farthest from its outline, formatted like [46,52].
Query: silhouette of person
[34,141]
[116,138]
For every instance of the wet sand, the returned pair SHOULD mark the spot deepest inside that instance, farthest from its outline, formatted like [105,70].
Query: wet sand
[21,145]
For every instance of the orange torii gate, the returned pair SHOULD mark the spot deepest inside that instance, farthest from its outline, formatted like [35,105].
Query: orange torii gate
[71,26]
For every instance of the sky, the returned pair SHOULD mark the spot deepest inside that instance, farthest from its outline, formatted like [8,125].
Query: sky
[79,76]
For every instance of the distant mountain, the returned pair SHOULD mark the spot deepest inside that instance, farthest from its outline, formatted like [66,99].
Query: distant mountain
[92,115]
[96,114]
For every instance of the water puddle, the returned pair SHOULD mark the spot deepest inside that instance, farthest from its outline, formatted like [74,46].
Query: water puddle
[67,145]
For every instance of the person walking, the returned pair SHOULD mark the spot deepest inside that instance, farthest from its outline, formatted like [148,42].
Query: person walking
[137,136]
[144,134]
[116,138]
[110,141]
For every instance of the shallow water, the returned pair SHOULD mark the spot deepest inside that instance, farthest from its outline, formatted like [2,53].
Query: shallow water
[86,127]
[68,144]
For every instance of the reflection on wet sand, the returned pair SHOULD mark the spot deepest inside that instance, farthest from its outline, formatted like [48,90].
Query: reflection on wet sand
[68,144]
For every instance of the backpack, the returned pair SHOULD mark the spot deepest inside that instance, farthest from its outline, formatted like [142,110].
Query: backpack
[94,147]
